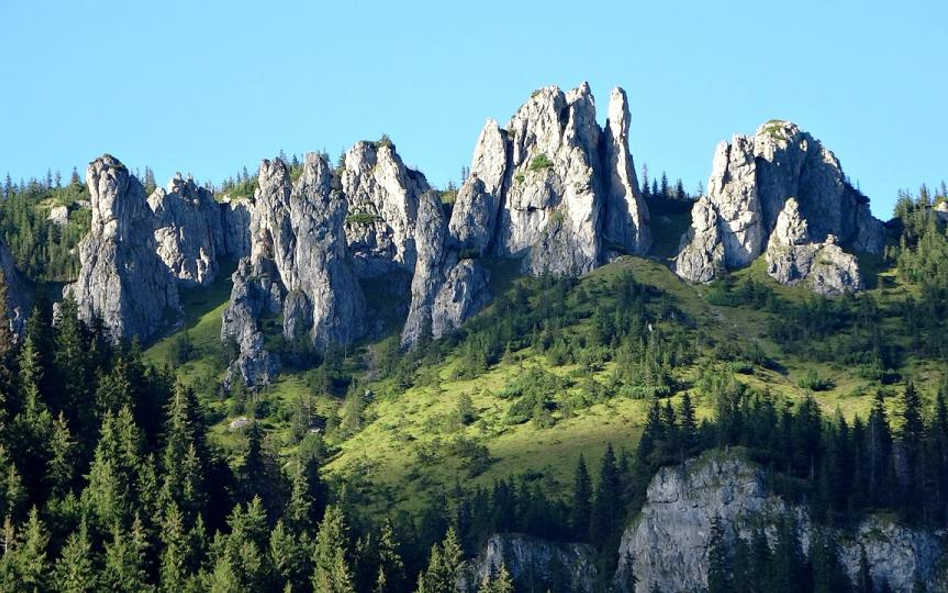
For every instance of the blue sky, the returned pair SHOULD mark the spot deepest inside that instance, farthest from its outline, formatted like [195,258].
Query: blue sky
[208,87]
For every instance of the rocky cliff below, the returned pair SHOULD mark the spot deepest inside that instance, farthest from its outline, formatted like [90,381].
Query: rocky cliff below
[17,294]
[534,564]
[779,173]
[668,543]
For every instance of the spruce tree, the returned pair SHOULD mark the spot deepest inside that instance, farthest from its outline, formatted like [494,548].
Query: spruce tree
[581,510]
[607,502]
[332,571]
[75,571]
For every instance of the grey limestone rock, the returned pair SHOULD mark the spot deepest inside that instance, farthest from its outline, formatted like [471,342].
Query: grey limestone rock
[752,179]
[188,233]
[18,301]
[122,281]
[534,564]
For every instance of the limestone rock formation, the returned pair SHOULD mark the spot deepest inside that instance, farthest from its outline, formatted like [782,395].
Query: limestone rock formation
[626,216]
[554,196]
[824,267]
[383,196]
[668,543]
[122,281]
[445,291]
[474,219]
[235,227]
[188,230]
[18,302]
[534,564]
[59,215]
[752,179]
[298,266]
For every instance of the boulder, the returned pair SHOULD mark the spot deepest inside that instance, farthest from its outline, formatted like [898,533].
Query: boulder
[122,281]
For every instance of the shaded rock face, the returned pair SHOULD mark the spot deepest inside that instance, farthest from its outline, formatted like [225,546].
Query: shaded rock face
[474,219]
[235,227]
[668,543]
[18,302]
[752,179]
[823,267]
[383,196]
[534,564]
[123,281]
[188,231]
[626,216]
[445,291]
[298,267]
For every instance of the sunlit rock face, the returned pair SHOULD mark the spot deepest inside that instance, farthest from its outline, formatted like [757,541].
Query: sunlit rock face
[752,180]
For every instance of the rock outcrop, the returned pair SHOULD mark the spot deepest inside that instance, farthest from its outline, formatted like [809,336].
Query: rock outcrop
[751,181]
[667,545]
[534,564]
[235,227]
[18,302]
[474,219]
[383,196]
[792,259]
[445,291]
[626,216]
[123,281]
[298,267]
[188,231]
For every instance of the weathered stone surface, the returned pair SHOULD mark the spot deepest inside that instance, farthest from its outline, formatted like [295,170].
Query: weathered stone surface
[445,292]
[235,227]
[474,219]
[188,230]
[668,543]
[554,196]
[751,180]
[462,295]
[18,301]
[823,267]
[298,266]
[59,215]
[625,224]
[383,196]
[534,564]
[122,281]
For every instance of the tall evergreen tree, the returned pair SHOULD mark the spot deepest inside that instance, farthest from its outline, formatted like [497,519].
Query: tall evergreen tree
[719,573]
[332,572]
[75,571]
[607,502]
[581,509]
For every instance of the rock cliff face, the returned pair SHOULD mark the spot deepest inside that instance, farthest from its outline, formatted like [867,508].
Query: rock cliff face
[123,281]
[667,545]
[383,196]
[235,227]
[554,188]
[444,291]
[17,295]
[751,181]
[188,231]
[298,266]
[534,564]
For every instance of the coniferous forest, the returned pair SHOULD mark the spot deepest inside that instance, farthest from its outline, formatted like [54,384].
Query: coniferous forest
[113,476]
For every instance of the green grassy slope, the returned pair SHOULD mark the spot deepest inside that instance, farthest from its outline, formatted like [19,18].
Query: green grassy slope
[410,443]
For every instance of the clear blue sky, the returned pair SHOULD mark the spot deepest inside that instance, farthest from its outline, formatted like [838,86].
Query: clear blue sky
[207,87]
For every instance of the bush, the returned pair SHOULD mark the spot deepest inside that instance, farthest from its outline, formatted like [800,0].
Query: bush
[813,382]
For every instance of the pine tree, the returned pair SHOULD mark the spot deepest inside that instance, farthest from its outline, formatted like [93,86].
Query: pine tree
[33,426]
[174,565]
[878,450]
[24,566]
[7,338]
[12,492]
[287,555]
[688,427]
[911,438]
[444,566]
[581,510]
[75,571]
[184,458]
[332,572]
